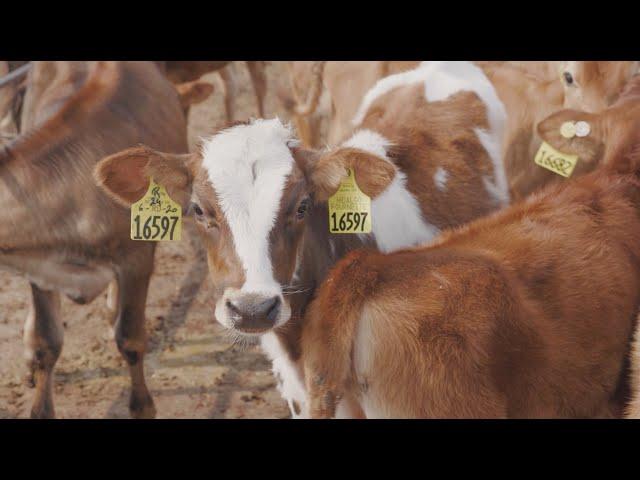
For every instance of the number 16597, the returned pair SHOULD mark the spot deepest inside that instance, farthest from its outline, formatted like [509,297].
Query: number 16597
[155,227]
[348,221]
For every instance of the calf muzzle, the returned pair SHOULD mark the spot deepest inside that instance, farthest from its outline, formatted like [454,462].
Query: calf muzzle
[253,313]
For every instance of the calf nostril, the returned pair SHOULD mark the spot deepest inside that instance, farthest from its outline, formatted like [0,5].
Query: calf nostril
[273,308]
[235,310]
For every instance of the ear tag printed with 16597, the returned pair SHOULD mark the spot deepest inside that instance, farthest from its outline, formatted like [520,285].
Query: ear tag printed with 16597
[349,208]
[556,161]
[155,217]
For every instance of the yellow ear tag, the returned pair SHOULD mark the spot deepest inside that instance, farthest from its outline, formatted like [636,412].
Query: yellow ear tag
[349,208]
[155,217]
[558,162]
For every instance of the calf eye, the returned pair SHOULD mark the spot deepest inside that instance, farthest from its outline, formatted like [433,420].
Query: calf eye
[197,210]
[568,78]
[302,209]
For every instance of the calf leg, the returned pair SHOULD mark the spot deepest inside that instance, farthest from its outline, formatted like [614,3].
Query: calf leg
[259,82]
[228,91]
[43,338]
[130,333]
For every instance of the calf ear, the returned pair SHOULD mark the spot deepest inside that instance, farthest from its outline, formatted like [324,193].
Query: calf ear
[588,148]
[325,171]
[191,93]
[125,175]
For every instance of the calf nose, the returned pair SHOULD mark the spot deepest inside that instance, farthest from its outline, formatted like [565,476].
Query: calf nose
[254,313]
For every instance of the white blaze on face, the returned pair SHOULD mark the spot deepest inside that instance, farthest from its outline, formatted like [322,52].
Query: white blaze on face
[248,166]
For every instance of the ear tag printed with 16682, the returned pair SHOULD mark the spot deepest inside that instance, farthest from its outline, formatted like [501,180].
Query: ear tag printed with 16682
[155,217]
[349,208]
[556,161]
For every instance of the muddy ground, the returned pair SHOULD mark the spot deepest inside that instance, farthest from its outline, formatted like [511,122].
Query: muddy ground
[192,368]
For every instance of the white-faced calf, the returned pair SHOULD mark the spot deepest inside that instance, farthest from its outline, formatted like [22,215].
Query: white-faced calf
[426,150]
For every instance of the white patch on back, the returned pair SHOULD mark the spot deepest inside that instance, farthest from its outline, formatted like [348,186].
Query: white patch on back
[290,380]
[397,220]
[248,166]
[369,141]
[440,179]
[441,80]
[364,352]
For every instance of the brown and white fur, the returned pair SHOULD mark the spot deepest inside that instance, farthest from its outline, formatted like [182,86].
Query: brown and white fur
[527,313]
[62,232]
[333,92]
[426,151]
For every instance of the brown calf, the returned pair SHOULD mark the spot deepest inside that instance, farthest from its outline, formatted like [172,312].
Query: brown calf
[62,232]
[531,91]
[187,72]
[613,141]
[526,313]
[426,151]
[593,86]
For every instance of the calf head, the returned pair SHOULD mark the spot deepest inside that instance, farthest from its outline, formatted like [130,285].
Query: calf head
[250,190]
[593,86]
[613,133]
[589,148]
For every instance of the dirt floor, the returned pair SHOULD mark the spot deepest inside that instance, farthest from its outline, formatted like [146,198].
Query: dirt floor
[192,369]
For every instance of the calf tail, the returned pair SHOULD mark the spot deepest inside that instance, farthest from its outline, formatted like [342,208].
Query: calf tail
[633,409]
[328,336]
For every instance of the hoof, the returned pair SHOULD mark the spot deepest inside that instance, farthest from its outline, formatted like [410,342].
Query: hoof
[43,412]
[142,406]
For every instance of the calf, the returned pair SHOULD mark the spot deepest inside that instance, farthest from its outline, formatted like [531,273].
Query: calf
[58,229]
[593,86]
[188,72]
[613,132]
[426,151]
[613,141]
[344,83]
[533,90]
[526,313]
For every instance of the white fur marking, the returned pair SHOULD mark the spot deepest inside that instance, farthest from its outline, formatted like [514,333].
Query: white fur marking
[441,80]
[292,387]
[363,361]
[440,179]
[248,166]
[395,214]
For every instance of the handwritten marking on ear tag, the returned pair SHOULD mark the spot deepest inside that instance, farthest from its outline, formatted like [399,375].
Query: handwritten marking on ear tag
[155,217]
[583,129]
[568,129]
[556,161]
[349,208]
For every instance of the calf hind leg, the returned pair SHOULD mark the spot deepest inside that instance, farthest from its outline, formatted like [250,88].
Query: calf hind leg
[43,339]
[131,337]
